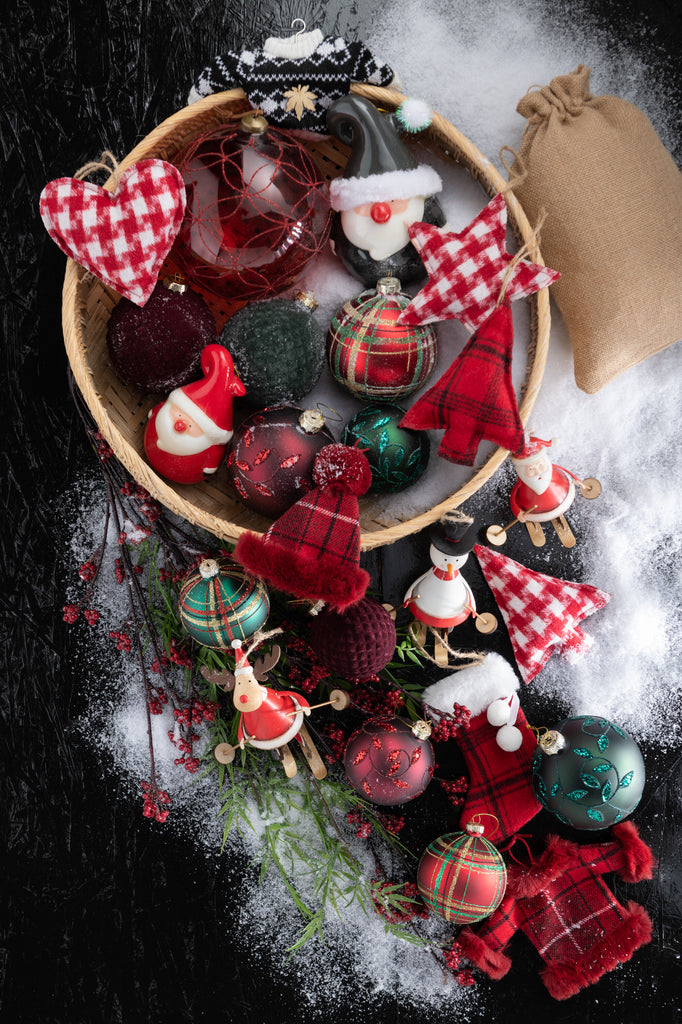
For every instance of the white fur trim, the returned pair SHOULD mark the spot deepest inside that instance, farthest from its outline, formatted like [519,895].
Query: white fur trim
[293,47]
[345,193]
[204,422]
[474,688]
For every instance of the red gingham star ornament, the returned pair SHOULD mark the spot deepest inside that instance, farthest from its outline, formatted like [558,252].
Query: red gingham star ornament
[123,236]
[466,270]
[542,613]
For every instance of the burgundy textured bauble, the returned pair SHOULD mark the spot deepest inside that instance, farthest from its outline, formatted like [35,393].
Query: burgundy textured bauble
[271,456]
[356,643]
[387,763]
[157,347]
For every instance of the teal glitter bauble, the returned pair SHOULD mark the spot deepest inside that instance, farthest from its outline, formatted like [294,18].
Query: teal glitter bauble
[219,603]
[592,781]
[397,456]
[278,349]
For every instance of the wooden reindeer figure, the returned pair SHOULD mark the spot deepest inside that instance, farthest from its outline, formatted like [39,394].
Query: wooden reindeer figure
[269,718]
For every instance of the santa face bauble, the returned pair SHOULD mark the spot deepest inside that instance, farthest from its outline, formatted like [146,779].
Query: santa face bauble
[186,435]
[588,772]
[397,456]
[271,456]
[462,877]
[387,762]
[373,356]
[219,603]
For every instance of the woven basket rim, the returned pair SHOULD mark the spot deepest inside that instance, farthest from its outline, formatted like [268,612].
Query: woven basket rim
[175,497]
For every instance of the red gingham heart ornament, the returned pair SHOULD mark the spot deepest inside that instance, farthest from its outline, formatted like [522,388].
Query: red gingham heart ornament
[122,237]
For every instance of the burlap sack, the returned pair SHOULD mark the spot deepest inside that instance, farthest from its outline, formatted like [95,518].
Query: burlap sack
[613,199]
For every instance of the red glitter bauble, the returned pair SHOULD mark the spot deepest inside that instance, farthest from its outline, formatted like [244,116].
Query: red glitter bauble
[356,643]
[387,763]
[371,354]
[257,211]
[271,456]
[461,876]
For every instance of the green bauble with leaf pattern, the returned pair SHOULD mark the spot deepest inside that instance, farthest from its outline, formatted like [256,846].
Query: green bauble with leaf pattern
[595,779]
[397,456]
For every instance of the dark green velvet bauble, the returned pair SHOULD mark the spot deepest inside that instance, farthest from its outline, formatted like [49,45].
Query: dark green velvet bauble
[278,349]
[596,780]
[396,456]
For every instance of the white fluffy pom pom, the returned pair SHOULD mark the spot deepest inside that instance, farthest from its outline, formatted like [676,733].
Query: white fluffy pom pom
[509,738]
[498,712]
[414,115]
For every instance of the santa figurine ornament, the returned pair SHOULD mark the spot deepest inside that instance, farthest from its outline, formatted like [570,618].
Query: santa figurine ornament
[441,598]
[186,435]
[542,493]
[382,191]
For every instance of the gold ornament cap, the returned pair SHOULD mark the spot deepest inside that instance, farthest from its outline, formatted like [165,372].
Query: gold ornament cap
[421,729]
[388,286]
[551,742]
[254,124]
[307,299]
[311,420]
[176,283]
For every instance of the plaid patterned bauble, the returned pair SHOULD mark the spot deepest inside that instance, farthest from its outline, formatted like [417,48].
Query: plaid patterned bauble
[542,613]
[562,904]
[474,400]
[461,876]
[313,550]
[218,603]
[122,237]
[467,269]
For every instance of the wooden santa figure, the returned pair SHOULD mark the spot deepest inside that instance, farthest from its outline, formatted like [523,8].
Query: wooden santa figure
[186,435]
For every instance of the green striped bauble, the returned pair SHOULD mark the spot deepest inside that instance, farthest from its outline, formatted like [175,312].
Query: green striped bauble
[219,603]
[461,876]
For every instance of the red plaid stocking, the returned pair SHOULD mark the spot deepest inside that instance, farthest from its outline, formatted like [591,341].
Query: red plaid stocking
[474,399]
[568,912]
[499,779]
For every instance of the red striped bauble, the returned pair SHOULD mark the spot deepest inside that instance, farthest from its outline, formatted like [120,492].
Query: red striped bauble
[461,876]
[371,354]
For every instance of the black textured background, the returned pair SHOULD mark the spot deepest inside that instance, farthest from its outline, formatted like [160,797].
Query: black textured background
[107,917]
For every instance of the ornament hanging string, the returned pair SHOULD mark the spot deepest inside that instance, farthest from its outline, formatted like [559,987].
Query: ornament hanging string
[518,837]
[519,177]
[476,820]
[523,252]
[473,657]
[108,163]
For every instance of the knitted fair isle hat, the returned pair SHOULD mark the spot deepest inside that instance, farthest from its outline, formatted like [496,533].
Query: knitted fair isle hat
[313,550]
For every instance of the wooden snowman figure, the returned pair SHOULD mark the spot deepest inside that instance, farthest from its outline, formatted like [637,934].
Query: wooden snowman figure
[442,599]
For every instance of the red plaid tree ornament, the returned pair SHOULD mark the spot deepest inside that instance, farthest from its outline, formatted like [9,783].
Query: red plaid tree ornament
[542,613]
[461,876]
[565,908]
[123,236]
[474,400]
[467,270]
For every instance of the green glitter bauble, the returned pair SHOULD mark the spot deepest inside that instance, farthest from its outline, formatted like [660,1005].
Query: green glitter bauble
[397,456]
[278,349]
[595,780]
[219,603]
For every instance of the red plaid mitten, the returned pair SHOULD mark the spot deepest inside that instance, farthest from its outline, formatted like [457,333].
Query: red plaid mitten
[499,778]
[474,400]
[568,912]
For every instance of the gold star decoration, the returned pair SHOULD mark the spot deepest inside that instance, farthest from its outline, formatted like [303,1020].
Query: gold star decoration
[300,98]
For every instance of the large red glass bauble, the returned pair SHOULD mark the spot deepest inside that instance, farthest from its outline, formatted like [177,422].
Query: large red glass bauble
[271,455]
[371,354]
[257,211]
[387,763]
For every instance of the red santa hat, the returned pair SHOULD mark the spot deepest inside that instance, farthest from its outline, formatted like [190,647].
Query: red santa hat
[209,401]
[532,446]
[313,550]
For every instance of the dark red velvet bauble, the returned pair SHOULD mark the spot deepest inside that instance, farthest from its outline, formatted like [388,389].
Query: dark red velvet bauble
[271,456]
[157,347]
[386,763]
[356,643]
[257,211]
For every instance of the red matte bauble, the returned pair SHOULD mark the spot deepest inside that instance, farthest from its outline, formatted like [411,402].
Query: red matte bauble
[157,347]
[271,455]
[371,354]
[387,763]
[356,643]
[461,876]
[257,211]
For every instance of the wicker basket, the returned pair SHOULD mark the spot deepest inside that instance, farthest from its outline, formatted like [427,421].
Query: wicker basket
[121,411]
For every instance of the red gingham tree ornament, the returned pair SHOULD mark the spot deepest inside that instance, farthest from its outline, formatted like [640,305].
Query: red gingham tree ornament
[542,613]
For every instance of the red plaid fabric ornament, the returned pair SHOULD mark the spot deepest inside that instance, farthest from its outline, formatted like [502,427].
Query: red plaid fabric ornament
[313,550]
[541,612]
[474,399]
[467,269]
[568,912]
[122,237]
[499,779]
